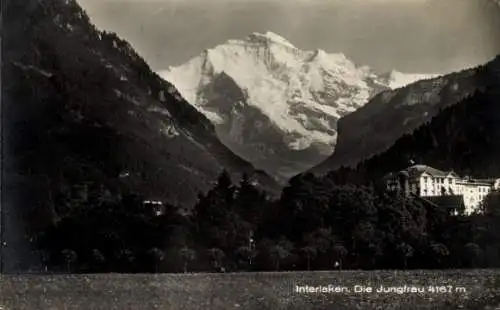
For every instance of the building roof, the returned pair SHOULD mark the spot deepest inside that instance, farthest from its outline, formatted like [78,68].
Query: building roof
[417,170]
[153,202]
[485,181]
[473,182]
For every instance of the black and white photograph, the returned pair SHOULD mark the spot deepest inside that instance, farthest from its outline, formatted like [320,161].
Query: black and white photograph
[250,154]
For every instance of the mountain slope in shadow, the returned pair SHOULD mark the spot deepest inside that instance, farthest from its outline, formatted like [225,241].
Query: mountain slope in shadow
[81,107]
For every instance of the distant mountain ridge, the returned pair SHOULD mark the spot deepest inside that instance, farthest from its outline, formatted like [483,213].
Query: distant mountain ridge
[396,79]
[373,128]
[274,104]
[464,137]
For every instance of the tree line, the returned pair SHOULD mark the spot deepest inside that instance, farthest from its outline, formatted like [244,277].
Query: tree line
[315,225]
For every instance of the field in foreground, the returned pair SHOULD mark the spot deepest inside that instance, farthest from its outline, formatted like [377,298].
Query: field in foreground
[252,291]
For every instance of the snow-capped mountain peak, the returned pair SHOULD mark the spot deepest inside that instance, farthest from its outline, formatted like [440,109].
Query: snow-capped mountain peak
[269,37]
[271,99]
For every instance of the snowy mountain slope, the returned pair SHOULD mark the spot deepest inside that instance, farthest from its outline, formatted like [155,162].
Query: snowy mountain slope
[274,104]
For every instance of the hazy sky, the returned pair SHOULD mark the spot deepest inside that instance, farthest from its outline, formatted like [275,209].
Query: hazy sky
[420,36]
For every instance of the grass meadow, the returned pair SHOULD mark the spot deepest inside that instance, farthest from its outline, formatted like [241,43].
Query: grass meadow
[462,289]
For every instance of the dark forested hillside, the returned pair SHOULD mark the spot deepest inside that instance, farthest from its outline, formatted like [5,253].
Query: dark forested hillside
[77,98]
[464,137]
[81,110]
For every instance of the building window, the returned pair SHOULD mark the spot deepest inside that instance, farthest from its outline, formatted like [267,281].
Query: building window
[443,191]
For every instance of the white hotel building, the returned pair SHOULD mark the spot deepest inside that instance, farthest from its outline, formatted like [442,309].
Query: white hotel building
[426,181]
